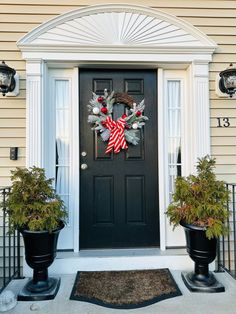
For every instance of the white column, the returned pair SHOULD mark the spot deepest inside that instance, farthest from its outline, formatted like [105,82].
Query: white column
[34,114]
[199,113]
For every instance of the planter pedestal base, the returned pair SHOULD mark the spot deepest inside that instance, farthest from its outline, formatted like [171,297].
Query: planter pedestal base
[200,283]
[49,294]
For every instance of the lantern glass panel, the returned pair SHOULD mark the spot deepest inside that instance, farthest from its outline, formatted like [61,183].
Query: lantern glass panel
[230,81]
[5,80]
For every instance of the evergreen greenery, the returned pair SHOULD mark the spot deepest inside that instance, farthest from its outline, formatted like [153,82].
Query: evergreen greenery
[201,200]
[134,116]
[32,202]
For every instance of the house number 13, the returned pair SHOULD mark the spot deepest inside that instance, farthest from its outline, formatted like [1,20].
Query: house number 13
[223,122]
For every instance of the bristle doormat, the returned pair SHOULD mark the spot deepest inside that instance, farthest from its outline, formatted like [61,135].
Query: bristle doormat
[124,289]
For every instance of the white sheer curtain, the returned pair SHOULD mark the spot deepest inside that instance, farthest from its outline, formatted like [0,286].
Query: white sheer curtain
[62,139]
[174,131]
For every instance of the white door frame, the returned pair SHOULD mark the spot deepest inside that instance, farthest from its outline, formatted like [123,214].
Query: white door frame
[41,51]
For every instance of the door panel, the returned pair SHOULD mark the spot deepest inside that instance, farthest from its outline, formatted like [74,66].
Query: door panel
[119,192]
[135,206]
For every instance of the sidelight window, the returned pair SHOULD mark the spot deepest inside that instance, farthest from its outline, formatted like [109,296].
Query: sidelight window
[62,139]
[174,131]
[61,149]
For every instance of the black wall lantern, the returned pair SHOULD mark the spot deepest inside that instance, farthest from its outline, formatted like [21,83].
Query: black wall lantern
[227,82]
[7,80]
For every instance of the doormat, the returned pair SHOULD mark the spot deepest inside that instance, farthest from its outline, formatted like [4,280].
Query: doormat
[124,289]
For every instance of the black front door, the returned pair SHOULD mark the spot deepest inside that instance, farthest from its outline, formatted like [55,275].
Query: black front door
[119,192]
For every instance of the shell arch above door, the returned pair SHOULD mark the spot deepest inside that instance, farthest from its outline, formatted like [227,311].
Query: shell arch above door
[123,27]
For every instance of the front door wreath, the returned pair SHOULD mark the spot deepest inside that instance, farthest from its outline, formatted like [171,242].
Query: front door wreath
[121,131]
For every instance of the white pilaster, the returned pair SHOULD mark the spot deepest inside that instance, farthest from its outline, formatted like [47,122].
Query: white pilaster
[34,112]
[199,113]
[162,158]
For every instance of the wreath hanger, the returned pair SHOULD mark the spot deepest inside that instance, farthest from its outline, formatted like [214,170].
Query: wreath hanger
[124,98]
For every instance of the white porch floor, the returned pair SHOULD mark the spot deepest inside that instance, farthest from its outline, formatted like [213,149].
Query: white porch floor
[188,303]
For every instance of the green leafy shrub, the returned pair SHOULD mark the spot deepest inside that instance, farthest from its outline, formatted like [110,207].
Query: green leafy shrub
[201,200]
[32,202]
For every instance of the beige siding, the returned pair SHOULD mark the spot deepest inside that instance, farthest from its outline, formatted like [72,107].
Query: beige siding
[217,19]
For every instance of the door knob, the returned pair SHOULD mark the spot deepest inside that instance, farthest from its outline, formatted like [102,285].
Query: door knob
[84,166]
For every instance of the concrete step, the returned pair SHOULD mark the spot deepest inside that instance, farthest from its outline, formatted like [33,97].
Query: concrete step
[6,271]
[69,262]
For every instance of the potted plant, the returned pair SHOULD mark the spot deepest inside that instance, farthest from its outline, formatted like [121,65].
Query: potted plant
[39,214]
[199,205]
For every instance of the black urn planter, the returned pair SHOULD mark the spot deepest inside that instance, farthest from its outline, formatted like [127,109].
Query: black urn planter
[202,251]
[40,252]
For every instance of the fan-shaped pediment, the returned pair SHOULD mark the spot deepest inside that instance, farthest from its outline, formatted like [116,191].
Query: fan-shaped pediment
[116,25]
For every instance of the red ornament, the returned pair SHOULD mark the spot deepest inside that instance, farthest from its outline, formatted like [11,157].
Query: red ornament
[124,116]
[104,104]
[138,113]
[128,127]
[104,110]
[100,99]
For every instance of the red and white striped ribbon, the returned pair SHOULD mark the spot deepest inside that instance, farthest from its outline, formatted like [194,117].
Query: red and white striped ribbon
[117,136]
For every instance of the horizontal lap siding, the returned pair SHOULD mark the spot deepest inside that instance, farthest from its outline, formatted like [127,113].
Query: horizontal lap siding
[217,19]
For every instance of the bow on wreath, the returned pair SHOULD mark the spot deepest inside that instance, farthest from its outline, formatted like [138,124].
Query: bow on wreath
[117,136]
